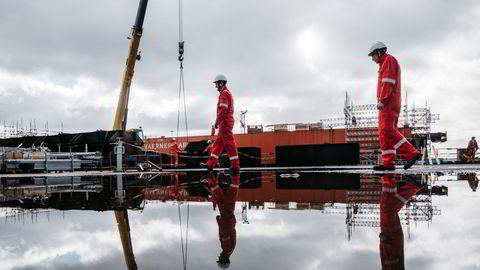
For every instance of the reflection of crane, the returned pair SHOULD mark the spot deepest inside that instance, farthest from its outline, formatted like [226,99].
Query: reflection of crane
[120,123]
[121,215]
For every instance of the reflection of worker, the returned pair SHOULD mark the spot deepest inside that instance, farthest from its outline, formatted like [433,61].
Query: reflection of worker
[472,181]
[174,150]
[472,149]
[388,104]
[392,200]
[224,122]
[224,195]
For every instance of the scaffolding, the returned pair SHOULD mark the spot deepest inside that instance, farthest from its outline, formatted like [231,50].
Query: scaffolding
[361,126]
[361,121]
[17,129]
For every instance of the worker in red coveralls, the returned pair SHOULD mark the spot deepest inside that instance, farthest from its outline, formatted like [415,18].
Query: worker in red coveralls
[224,122]
[174,150]
[209,151]
[224,195]
[209,147]
[392,199]
[389,102]
[472,149]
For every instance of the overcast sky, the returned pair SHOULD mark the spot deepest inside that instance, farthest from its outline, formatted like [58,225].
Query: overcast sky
[62,61]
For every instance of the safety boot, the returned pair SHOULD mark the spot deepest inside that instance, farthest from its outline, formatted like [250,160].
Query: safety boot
[412,161]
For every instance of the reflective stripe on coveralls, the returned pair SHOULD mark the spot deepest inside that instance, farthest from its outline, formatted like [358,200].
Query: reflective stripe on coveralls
[388,80]
[396,146]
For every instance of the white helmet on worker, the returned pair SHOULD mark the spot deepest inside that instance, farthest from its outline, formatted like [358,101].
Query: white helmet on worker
[220,78]
[377,45]
[173,139]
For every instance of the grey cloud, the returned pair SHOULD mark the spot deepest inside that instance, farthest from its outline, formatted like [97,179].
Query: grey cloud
[253,43]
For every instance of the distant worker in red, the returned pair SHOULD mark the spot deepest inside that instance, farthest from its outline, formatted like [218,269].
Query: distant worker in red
[389,101]
[174,150]
[224,122]
[472,150]
[392,199]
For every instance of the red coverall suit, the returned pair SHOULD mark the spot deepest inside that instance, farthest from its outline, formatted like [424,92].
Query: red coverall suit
[391,233]
[471,150]
[392,141]
[174,150]
[225,137]
[225,200]
[209,150]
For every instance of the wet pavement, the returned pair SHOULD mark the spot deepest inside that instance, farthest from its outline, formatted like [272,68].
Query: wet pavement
[275,220]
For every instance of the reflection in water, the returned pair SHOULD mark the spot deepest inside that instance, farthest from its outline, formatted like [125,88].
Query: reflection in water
[472,180]
[26,195]
[363,209]
[394,196]
[224,190]
[121,215]
[365,200]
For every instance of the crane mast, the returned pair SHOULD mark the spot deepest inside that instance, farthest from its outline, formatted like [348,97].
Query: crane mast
[120,121]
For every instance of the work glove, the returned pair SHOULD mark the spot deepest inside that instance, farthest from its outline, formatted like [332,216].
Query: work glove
[380,106]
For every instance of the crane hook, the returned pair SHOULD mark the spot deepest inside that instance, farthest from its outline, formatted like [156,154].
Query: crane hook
[181,50]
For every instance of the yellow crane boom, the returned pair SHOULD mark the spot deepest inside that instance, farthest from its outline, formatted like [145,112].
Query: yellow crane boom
[120,121]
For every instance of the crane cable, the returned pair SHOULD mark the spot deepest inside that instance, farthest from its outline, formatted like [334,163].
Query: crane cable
[181,90]
[184,245]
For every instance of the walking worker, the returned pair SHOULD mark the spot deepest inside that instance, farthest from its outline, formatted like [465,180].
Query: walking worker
[209,150]
[174,150]
[389,101]
[224,122]
[209,147]
[472,149]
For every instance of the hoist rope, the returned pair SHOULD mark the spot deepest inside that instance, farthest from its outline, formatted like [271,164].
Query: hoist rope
[181,87]
[184,244]
[181,90]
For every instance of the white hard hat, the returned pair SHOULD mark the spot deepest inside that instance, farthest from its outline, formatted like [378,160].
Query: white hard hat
[220,77]
[377,45]
[173,139]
